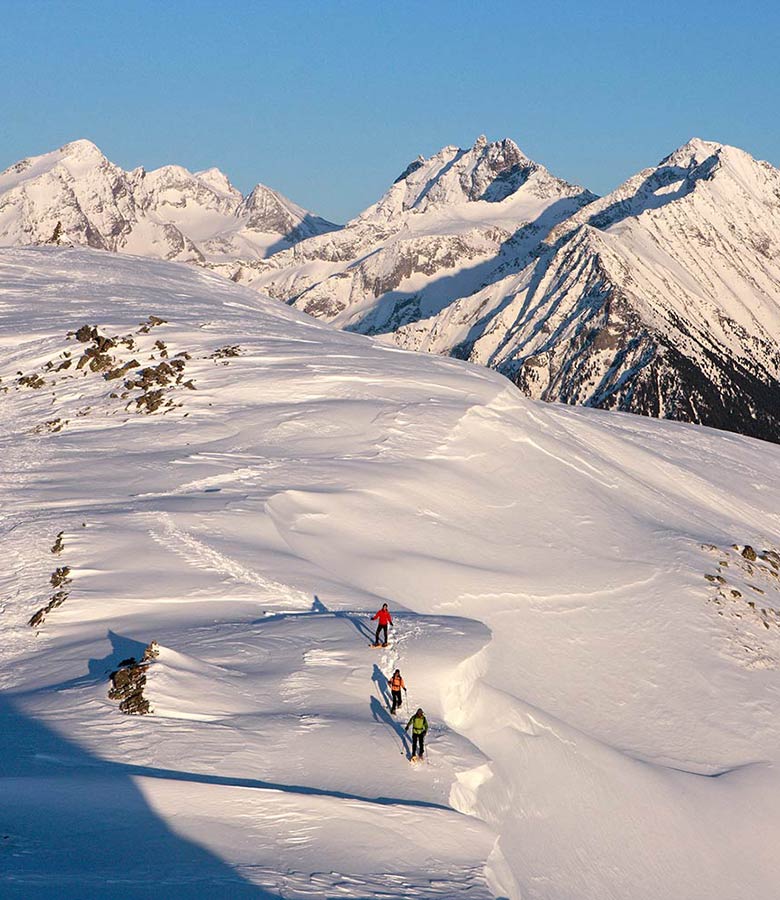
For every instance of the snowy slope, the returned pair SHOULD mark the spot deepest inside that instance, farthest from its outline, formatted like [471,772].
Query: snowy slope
[168,213]
[598,662]
[662,298]
[439,232]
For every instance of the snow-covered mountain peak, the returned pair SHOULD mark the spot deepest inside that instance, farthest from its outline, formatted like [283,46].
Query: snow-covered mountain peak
[217,179]
[437,234]
[661,298]
[266,210]
[81,148]
[76,193]
[693,153]
[488,171]
[70,159]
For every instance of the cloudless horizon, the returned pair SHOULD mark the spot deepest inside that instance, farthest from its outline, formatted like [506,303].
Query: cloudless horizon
[327,102]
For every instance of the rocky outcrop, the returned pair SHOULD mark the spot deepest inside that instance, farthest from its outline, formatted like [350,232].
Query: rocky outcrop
[744,591]
[145,389]
[129,680]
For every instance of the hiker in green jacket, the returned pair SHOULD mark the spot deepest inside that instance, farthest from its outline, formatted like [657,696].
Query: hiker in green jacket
[419,726]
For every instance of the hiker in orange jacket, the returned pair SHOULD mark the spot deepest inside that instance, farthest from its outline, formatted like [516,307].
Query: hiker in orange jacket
[396,686]
[385,619]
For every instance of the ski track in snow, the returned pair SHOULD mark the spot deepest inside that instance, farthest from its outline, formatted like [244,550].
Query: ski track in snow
[198,553]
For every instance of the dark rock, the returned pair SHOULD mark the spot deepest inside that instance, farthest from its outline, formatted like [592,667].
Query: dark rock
[226,351]
[32,381]
[86,333]
[58,545]
[150,323]
[772,557]
[104,343]
[56,600]
[60,576]
[749,553]
[128,682]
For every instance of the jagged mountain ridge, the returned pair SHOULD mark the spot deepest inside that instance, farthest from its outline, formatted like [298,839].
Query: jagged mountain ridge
[169,213]
[442,228]
[662,298]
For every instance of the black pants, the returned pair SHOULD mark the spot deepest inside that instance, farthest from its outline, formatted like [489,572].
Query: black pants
[418,744]
[380,628]
[396,700]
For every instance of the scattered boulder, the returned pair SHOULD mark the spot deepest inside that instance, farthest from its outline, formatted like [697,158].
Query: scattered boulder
[85,334]
[226,351]
[772,557]
[151,322]
[59,544]
[749,553]
[32,381]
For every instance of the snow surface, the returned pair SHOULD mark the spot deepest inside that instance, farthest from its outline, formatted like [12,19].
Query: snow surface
[604,720]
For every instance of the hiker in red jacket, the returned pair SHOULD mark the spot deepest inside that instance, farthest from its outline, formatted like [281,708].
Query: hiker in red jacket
[385,619]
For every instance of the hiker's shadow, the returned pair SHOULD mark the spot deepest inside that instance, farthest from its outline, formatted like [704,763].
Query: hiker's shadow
[357,623]
[380,680]
[380,714]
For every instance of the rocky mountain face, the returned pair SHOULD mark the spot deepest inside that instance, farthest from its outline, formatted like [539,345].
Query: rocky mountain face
[442,230]
[662,298]
[168,213]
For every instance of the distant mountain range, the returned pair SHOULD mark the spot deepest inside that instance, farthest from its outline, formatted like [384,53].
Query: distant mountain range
[662,298]
[168,213]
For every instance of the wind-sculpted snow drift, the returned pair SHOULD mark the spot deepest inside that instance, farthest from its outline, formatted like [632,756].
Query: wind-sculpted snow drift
[577,611]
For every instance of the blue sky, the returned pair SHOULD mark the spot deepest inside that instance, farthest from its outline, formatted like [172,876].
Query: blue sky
[328,101]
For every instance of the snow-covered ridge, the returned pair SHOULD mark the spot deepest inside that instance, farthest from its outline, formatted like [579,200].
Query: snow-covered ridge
[576,608]
[169,213]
